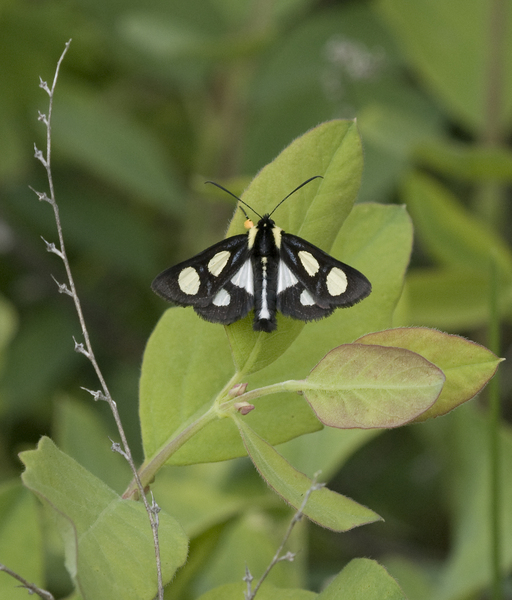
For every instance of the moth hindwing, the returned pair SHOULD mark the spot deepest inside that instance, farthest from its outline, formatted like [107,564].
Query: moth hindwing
[267,270]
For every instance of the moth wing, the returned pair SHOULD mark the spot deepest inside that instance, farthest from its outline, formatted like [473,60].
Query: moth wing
[196,281]
[312,284]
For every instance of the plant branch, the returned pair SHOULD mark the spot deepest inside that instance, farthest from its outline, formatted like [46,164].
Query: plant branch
[31,587]
[278,557]
[86,347]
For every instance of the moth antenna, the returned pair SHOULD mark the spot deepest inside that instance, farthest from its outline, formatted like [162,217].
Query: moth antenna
[295,190]
[239,199]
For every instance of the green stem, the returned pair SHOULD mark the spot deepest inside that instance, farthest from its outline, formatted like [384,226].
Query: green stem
[221,407]
[494,441]
[275,388]
[150,467]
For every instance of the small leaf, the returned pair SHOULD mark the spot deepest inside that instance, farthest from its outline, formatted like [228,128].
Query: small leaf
[363,579]
[466,365]
[325,507]
[355,386]
[108,541]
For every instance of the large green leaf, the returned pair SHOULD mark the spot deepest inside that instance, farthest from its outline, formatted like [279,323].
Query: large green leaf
[325,507]
[449,45]
[108,541]
[467,366]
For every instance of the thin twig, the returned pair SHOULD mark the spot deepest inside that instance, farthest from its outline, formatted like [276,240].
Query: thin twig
[278,557]
[86,347]
[31,587]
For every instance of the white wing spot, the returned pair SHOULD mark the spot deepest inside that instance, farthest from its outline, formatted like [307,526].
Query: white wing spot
[285,278]
[243,278]
[222,298]
[218,262]
[336,282]
[306,299]
[309,262]
[189,281]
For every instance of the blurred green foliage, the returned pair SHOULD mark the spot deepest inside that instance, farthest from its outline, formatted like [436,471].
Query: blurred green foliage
[154,98]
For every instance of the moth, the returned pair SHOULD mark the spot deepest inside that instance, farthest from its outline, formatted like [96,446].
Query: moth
[267,270]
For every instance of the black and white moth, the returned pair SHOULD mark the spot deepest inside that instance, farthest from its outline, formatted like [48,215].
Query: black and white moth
[267,270]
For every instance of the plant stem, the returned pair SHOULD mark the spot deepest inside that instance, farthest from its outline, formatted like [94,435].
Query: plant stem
[87,349]
[149,468]
[494,440]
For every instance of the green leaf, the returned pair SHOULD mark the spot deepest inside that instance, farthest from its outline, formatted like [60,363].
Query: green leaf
[316,213]
[358,386]
[31,368]
[363,579]
[108,541]
[450,233]
[471,163]
[235,591]
[466,365]
[448,45]
[462,439]
[80,433]
[114,147]
[178,376]
[448,298]
[324,507]
[21,542]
